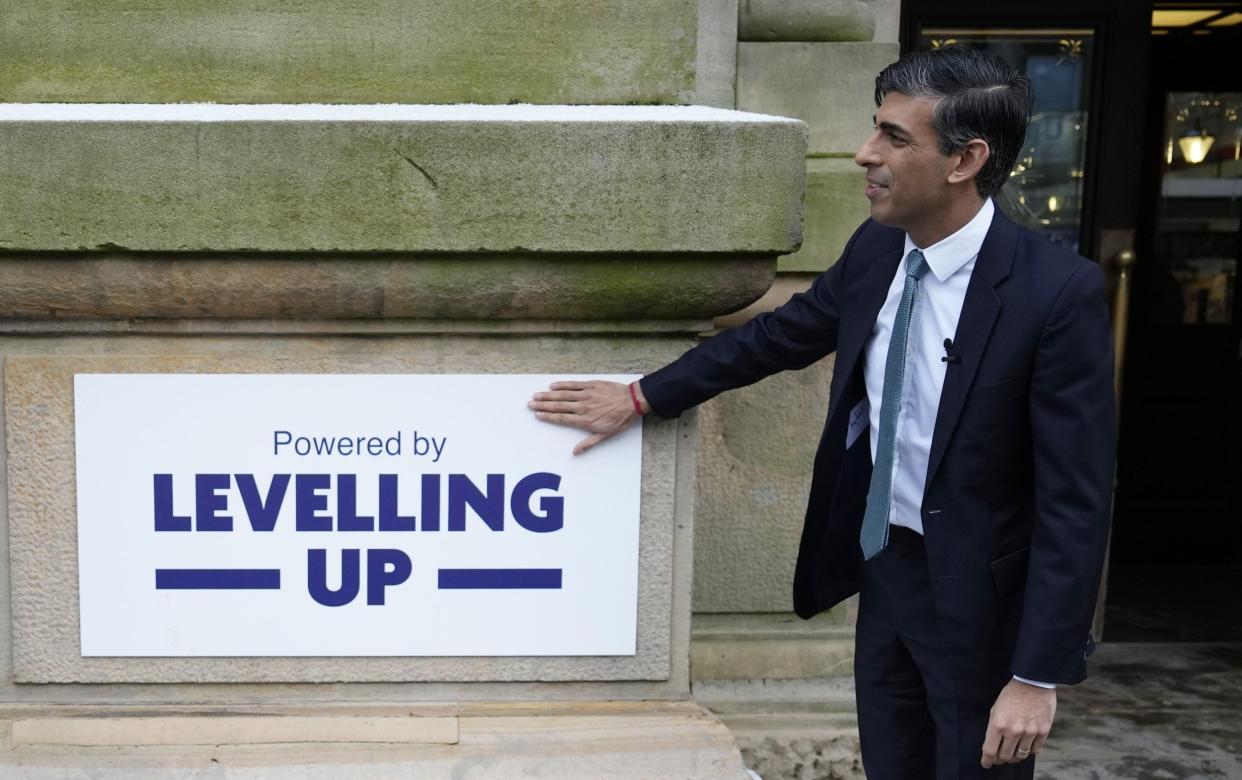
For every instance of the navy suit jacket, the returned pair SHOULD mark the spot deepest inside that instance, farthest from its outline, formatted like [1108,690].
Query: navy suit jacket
[1017,500]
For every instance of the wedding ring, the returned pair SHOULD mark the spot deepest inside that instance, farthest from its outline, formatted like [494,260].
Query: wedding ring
[1023,752]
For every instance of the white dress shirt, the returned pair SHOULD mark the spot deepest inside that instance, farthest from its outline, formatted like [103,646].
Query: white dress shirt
[934,319]
[937,309]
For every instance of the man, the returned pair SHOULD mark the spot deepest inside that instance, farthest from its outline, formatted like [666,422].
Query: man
[975,357]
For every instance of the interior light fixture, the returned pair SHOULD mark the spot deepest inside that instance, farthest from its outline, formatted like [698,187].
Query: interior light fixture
[1226,21]
[1196,144]
[1053,203]
[1181,18]
[1168,152]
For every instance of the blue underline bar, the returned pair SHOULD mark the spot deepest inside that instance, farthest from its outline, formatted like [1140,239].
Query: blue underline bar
[500,579]
[217,579]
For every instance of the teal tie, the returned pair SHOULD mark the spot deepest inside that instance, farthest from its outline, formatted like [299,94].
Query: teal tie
[874,535]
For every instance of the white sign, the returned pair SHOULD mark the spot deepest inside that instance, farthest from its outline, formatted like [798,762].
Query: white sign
[334,515]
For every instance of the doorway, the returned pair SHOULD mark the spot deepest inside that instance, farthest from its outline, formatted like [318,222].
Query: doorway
[1174,567]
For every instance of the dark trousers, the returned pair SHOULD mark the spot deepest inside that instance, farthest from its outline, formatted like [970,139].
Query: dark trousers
[912,721]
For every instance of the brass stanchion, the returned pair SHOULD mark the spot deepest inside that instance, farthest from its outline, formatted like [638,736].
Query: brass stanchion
[1122,262]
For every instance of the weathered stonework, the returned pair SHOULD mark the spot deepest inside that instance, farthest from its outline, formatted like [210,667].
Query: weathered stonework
[366,51]
[81,286]
[753,481]
[805,20]
[493,741]
[815,756]
[773,645]
[830,86]
[835,207]
[399,178]
[715,54]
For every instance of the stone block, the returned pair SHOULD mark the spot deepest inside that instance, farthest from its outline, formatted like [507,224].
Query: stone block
[496,741]
[835,207]
[756,448]
[399,178]
[716,54]
[506,286]
[382,51]
[830,86]
[42,527]
[887,14]
[757,445]
[805,20]
[771,646]
[231,730]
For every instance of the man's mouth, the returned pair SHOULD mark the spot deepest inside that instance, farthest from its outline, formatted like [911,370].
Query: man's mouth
[872,188]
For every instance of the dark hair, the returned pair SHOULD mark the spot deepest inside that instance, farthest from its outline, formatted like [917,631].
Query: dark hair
[978,96]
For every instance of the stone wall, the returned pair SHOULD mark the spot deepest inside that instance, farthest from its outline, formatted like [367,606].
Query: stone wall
[366,237]
[190,240]
[368,51]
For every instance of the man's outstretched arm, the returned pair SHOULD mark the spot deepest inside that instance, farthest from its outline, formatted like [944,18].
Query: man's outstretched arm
[794,335]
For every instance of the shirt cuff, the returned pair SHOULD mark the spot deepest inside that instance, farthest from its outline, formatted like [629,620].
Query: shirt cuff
[1049,686]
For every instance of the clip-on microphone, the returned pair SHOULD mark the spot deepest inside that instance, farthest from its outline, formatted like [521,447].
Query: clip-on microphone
[949,355]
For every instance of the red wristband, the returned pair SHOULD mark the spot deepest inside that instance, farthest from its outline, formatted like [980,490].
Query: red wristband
[634,397]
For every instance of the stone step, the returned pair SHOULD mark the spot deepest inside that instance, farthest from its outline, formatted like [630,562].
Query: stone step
[794,739]
[823,693]
[784,688]
[562,740]
[808,733]
[771,646]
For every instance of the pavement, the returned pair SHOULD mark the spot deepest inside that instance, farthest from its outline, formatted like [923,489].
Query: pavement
[1150,711]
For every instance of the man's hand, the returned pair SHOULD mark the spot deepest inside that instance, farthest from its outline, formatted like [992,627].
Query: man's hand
[603,408]
[1020,722]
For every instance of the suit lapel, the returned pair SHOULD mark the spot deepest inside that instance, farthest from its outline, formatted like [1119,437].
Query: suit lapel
[980,309]
[855,328]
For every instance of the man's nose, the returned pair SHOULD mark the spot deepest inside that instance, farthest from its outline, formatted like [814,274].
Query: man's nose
[865,156]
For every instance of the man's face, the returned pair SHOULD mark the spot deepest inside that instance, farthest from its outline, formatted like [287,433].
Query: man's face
[907,177]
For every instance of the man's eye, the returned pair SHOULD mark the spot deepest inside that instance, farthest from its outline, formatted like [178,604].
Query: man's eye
[897,140]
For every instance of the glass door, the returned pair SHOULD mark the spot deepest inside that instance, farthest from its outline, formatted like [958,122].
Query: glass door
[1200,209]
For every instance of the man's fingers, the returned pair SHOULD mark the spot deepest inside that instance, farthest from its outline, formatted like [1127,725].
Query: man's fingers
[599,408]
[590,442]
[1008,752]
[554,406]
[1039,743]
[1018,724]
[574,420]
[560,395]
[991,744]
[1024,750]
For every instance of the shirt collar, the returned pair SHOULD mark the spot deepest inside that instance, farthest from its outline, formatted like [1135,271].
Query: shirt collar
[947,256]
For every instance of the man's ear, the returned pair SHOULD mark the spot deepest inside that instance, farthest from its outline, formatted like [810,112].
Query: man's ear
[968,160]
